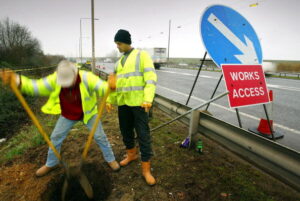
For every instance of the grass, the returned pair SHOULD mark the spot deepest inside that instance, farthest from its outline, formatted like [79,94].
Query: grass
[26,138]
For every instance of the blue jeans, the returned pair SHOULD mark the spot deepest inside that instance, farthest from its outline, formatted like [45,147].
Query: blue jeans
[61,131]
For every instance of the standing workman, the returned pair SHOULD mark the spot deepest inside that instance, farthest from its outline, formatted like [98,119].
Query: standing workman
[72,94]
[135,90]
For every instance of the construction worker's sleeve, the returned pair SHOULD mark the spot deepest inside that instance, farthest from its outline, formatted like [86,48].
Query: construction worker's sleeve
[112,98]
[38,87]
[96,84]
[150,77]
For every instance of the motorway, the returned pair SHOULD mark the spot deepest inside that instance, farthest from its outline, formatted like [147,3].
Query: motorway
[176,84]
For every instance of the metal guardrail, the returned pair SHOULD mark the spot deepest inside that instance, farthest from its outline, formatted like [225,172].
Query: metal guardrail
[278,160]
[102,74]
[285,74]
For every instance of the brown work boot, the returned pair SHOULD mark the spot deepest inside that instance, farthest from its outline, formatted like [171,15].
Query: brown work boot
[44,170]
[147,173]
[131,156]
[114,165]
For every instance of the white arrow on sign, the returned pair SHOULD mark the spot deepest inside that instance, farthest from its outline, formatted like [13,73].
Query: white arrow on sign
[249,55]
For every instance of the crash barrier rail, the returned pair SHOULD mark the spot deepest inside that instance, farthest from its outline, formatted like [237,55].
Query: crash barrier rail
[284,74]
[103,75]
[33,68]
[280,161]
[37,71]
[195,67]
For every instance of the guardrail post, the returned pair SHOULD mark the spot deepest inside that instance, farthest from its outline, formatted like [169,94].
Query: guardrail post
[193,128]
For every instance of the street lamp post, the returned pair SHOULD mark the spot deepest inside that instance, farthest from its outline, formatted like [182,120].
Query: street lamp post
[169,43]
[80,43]
[93,37]
[80,39]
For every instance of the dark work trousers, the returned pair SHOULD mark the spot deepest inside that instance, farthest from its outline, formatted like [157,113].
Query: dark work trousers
[131,118]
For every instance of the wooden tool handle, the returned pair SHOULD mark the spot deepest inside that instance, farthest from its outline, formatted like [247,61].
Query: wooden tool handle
[33,117]
[92,132]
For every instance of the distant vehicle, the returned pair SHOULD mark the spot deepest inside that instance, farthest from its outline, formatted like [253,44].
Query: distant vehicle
[107,60]
[158,55]
[87,64]
[269,68]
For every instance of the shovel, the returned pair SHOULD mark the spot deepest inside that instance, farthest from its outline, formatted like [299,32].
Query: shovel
[77,172]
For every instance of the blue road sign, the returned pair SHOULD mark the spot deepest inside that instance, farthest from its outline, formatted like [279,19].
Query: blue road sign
[228,37]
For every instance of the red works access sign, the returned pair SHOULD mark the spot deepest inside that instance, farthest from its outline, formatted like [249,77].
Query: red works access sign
[246,84]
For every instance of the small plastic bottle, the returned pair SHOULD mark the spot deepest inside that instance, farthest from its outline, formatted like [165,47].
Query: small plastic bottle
[199,146]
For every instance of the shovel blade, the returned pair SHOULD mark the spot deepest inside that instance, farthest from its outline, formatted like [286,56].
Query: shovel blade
[64,190]
[85,184]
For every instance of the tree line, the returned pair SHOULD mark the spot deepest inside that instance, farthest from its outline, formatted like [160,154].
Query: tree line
[19,49]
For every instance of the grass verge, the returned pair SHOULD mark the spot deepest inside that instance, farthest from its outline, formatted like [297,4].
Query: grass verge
[27,137]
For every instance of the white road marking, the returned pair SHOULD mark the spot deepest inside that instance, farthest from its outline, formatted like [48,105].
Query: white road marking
[188,74]
[283,87]
[230,110]
[216,78]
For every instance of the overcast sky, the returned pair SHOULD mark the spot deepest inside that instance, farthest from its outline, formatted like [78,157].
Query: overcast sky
[56,23]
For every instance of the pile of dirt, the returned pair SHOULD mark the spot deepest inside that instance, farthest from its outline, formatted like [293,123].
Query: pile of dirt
[181,174]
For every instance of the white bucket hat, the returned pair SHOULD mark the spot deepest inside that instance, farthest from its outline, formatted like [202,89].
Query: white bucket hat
[66,73]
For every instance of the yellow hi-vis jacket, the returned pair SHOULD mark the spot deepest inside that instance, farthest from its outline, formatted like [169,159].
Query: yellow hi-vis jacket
[90,86]
[136,80]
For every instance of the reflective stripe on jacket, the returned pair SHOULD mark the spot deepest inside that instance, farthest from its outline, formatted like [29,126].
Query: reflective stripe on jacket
[90,87]
[136,80]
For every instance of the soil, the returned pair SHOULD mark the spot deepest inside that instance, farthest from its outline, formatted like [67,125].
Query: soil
[181,174]
[97,177]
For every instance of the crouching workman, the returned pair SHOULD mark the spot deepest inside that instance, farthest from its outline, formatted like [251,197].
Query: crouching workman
[135,90]
[72,94]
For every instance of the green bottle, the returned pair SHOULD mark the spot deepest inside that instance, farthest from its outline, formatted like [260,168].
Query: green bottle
[199,146]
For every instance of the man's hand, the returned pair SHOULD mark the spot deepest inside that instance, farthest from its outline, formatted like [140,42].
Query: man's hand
[112,81]
[8,77]
[109,107]
[146,106]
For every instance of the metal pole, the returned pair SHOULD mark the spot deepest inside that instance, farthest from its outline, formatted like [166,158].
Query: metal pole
[79,49]
[239,118]
[215,90]
[196,78]
[169,43]
[93,37]
[269,123]
[80,42]
[191,110]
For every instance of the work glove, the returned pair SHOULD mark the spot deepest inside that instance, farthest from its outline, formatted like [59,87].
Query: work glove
[8,77]
[112,81]
[109,107]
[146,106]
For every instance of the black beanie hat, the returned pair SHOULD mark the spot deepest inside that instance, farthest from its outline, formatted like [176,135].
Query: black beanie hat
[123,36]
